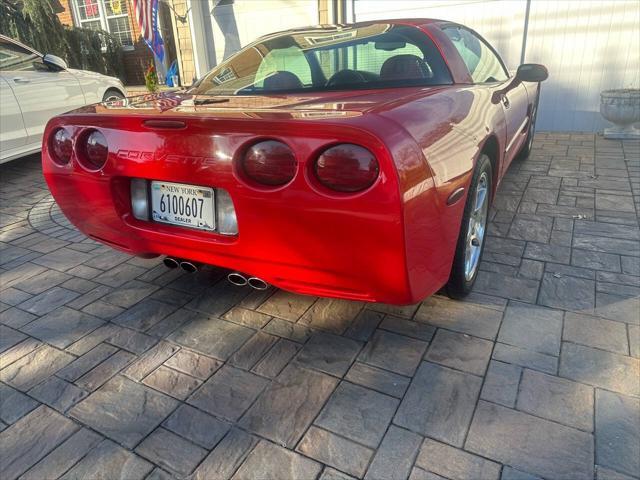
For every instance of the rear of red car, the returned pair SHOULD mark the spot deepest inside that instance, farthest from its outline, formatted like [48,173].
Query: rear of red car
[307,225]
[280,163]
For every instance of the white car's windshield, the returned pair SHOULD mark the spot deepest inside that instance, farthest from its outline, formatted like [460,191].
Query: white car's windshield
[371,56]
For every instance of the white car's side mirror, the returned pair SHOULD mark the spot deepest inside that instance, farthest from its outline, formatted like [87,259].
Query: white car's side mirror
[54,62]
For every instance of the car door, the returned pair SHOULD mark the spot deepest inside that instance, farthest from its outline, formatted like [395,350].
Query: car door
[13,135]
[41,91]
[486,68]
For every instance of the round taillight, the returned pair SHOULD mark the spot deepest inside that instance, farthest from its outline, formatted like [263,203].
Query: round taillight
[94,150]
[347,168]
[270,163]
[61,146]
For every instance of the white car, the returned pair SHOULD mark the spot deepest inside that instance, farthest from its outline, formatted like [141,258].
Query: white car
[34,88]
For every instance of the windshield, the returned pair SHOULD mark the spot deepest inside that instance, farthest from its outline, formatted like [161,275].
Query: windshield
[372,56]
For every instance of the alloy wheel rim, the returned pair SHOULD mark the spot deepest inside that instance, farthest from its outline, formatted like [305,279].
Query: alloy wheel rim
[477,227]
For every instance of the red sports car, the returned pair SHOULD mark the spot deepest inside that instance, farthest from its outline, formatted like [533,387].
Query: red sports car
[353,161]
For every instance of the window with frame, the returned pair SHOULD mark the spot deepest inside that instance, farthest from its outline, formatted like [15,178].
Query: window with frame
[482,62]
[109,15]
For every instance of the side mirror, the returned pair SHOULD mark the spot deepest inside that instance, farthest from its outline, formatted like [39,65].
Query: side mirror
[532,72]
[53,62]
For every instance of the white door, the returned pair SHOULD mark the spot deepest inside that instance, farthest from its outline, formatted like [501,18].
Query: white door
[41,92]
[13,135]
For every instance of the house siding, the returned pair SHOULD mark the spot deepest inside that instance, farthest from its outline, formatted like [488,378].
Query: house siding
[587,46]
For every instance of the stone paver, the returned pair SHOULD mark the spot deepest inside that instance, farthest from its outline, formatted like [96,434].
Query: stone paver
[29,439]
[617,419]
[501,383]
[171,452]
[336,451]
[124,410]
[228,393]
[533,328]
[109,460]
[290,404]
[115,367]
[329,353]
[31,369]
[228,455]
[358,413]
[395,456]
[557,399]
[393,352]
[14,404]
[453,463]
[271,461]
[64,456]
[439,403]
[601,369]
[530,443]
[460,351]
[197,426]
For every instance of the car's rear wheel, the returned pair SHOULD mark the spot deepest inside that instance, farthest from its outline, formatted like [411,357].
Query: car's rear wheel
[525,151]
[472,231]
[112,95]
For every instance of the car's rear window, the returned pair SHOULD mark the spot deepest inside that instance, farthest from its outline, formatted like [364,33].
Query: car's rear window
[372,56]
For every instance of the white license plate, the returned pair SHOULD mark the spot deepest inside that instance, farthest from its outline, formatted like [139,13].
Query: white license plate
[184,205]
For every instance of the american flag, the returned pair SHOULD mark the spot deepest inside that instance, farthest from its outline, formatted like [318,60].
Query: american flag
[147,18]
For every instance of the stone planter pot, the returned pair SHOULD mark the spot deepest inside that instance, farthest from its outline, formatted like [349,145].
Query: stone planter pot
[622,108]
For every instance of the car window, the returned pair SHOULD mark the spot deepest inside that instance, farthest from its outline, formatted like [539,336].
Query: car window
[289,59]
[483,64]
[371,56]
[16,58]
[363,57]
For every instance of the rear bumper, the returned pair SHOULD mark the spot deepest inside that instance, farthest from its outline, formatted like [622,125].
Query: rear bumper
[308,252]
[295,237]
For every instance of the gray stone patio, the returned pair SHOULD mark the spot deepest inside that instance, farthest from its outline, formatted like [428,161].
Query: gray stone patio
[116,366]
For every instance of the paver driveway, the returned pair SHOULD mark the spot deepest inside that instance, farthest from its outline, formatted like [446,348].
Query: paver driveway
[116,366]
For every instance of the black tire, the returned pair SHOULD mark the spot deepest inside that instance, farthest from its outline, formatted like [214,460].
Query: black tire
[525,151]
[460,282]
[112,95]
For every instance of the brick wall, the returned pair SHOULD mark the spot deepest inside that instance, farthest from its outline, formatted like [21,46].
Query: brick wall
[64,12]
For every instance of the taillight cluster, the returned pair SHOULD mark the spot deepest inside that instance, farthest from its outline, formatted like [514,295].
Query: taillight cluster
[91,148]
[345,167]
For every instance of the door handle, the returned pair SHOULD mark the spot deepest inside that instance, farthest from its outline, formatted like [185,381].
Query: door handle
[505,101]
[21,80]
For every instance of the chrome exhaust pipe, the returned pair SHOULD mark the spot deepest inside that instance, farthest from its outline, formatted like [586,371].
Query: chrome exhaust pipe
[257,283]
[171,262]
[188,266]
[237,279]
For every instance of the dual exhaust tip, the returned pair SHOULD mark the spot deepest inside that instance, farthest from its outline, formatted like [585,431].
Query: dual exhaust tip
[185,265]
[240,280]
[235,278]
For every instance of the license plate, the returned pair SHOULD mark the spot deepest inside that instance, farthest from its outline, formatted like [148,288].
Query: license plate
[182,204]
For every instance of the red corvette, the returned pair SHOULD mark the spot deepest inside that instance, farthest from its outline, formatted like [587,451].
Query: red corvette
[354,161]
